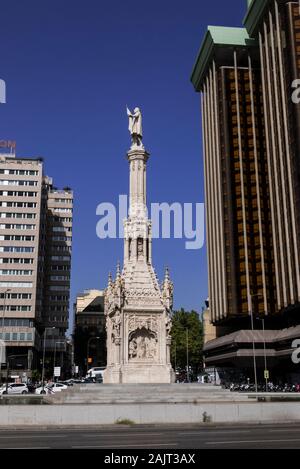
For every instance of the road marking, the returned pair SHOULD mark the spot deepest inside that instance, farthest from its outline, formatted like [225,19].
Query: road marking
[215,432]
[116,435]
[292,440]
[129,446]
[286,430]
[29,447]
[21,437]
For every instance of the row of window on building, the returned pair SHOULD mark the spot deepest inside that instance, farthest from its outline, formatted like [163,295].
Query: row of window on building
[18,204]
[20,172]
[17,182]
[16,336]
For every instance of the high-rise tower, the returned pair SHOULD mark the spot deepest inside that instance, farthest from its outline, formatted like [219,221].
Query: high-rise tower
[248,79]
[137,309]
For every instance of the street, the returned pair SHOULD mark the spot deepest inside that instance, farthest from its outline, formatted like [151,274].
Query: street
[155,437]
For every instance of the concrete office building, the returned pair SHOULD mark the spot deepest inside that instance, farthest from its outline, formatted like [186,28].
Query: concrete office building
[55,259]
[35,264]
[251,142]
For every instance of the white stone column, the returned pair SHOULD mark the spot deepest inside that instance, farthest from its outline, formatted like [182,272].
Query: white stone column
[150,249]
[126,250]
[169,340]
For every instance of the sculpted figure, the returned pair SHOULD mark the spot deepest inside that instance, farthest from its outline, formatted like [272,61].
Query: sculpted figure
[135,126]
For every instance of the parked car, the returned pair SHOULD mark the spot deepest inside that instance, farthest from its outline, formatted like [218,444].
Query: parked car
[51,388]
[44,390]
[14,388]
[57,387]
[88,379]
[95,372]
[68,382]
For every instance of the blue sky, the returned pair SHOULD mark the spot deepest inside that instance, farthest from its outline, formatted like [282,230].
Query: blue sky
[71,67]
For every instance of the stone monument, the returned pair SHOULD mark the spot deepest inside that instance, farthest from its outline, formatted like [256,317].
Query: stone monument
[137,308]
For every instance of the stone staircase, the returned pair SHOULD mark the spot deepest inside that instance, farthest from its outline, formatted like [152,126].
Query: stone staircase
[144,394]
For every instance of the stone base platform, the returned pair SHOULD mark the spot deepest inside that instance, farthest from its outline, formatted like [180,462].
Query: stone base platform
[144,394]
[137,374]
[100,404]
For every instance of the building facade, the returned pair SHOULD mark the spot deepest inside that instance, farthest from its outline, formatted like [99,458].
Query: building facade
[89,330]
[31,260]
[251,142]
[55,265]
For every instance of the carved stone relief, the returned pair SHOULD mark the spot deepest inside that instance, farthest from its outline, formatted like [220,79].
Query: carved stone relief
[142,345]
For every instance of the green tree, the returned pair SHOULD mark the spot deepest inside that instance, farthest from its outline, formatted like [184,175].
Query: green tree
[182,322]
[35,375]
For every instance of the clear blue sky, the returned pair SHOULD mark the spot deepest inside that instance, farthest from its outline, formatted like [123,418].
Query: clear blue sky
[71,67]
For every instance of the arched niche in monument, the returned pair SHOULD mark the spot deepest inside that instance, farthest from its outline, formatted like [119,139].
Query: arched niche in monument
[142,345]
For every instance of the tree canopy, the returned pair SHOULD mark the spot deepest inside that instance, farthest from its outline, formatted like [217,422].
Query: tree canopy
[183,321]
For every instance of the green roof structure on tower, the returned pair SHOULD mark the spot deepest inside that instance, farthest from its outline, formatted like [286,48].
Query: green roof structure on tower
[256,9]
[217,37]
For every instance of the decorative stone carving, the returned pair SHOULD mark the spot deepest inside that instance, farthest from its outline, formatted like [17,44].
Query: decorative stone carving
[142,345]
[135,127]
[136,322]
[140,247]
[116,325]
[142,293]
[168,323]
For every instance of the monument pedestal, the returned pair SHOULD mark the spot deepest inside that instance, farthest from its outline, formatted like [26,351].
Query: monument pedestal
[139,374]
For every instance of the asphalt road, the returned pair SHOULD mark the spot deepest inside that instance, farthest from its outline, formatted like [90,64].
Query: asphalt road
[155,437]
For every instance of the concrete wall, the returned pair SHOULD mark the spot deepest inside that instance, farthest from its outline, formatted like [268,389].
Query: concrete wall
[47,415]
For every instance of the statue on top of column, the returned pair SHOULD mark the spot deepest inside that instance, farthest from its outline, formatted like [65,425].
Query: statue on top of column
[135,127]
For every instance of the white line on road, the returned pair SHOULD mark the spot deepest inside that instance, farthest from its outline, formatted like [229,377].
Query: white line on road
[291,440]
[158,445]
[29,447]
[285,430]
[117,435]
[214,432]
[21,437]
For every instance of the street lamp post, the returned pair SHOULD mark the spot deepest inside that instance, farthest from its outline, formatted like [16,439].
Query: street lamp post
[253,343]
[87,351]
[175,356]
[54,358]
[44,351]
[187,356]
[265,353]
[72,359]
[3,317]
